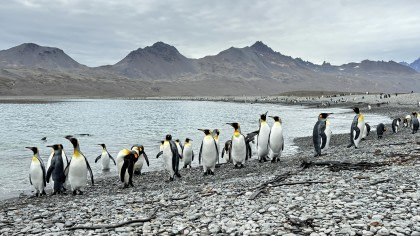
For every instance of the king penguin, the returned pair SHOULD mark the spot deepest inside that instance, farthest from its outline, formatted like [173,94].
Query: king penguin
[357,128]
[262,138]
[126,160]
[380,129]
[328,132]
[187,153]
[216,134]
[65,164]
[414,123]
[37,173]
[238,148]
[396,124]
[319,136]
[56,170]
[179,147]
[366,131]
[209,152]
[171,157]
[138,166]
[105,157]
[77,169]
[226,151]
[276,140]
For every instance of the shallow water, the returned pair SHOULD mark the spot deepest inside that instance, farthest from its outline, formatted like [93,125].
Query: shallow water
[122,123]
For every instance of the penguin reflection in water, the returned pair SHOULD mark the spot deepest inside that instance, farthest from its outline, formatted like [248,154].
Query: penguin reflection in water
[126,160]
[37,172]
[209,152]
[171,157]
[357,128]
[321,136]
[78,168]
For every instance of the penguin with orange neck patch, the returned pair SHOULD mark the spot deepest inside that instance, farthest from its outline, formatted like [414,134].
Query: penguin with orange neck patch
[37,173]
[319,136]
[209,152]
[276,140]
[357,128]
[126,160]
[78,168]
[56,170]
[238,148]
[262,138]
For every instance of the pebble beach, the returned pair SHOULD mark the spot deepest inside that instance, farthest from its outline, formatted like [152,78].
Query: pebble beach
[284,198]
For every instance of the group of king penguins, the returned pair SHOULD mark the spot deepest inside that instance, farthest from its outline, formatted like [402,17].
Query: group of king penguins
[62,171]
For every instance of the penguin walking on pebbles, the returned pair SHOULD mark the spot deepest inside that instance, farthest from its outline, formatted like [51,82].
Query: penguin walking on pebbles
[357,128]
[138,166]
[366,131]
[65,164]
[380,129]
[78,168]
[56,170]
[209,153]
[105,158]
[262,138]
[414,123]
[37,173]
[395,125]
[171,157]
[126,160]
[238,149]
[276,140]
[319,136]
[187,153]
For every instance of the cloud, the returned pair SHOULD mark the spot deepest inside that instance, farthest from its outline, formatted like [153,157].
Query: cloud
[97,32]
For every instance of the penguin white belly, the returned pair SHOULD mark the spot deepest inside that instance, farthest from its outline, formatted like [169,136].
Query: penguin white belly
[138,166]
[362,127]
[77,173]
[167,158]
[364,133]
[48,166]
[276,140]
[262,140]
[209,154]
[328,133]
[226,156]
[187,155]
[37,176]
[105,161]
[238,152]
[178,147]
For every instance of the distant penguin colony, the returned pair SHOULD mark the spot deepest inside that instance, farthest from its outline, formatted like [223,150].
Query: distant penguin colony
[61,171]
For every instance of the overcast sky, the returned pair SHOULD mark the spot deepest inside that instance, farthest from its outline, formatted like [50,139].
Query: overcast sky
[98,32]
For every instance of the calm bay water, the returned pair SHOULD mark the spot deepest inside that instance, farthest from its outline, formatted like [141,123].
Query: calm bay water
[121,123]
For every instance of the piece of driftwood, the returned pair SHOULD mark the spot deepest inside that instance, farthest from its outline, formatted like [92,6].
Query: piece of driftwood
[339,166]
[112,226]
[380,181]
[300,182]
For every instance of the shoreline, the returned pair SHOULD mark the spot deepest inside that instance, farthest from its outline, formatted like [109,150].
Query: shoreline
[349,202]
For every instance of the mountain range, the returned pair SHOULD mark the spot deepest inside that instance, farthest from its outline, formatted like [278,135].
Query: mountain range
[161,70]
[415,64]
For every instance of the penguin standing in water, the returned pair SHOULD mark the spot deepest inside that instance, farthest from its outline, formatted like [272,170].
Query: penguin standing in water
[396,124]
[171,157]
[37,173]
[262,138]
[276,140]
[319,136]
[187,153]
[56,170]
[77,170]
[138,166]
[105,157]
[238,148]
[226,151]
[380,129]
[126,160]
[357,128]
[414,123]
[366,131]
[209,153]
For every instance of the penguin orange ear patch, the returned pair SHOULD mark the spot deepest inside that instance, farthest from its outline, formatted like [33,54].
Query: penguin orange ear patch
[140,149]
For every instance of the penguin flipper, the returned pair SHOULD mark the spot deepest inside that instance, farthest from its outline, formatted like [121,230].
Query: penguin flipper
[89,169]
[217,150]
[123,170]
[192,155]
[323,140]
[112,158]
[97,158]
[159,154]
[199,155]
[146,158]
[50,170]
[357,130]
[30,181]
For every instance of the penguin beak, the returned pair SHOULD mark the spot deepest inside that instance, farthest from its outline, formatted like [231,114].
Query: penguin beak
[68,137]
[266,113]
[29,148]
[202,130]
[50,146]
[231,124]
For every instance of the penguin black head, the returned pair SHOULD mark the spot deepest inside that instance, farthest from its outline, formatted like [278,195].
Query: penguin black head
[73,141]
[140,148]
[168,137]
[414,114]
[56,146]
[324,115]
[234,125]
[161,142]
[356,110]
[275,118]
[102,145]
[177,140]
[217,132]
[187,140]
[206,131]
[33,149]
[264,116]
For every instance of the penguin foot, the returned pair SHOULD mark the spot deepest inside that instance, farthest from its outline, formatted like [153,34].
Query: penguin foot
[205,173]
[178,175]
[43,192]
[211,172]
[236,167]
[349,146]
[36,194]
[125,186]
[137,172]
[74,192]
[171,179]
